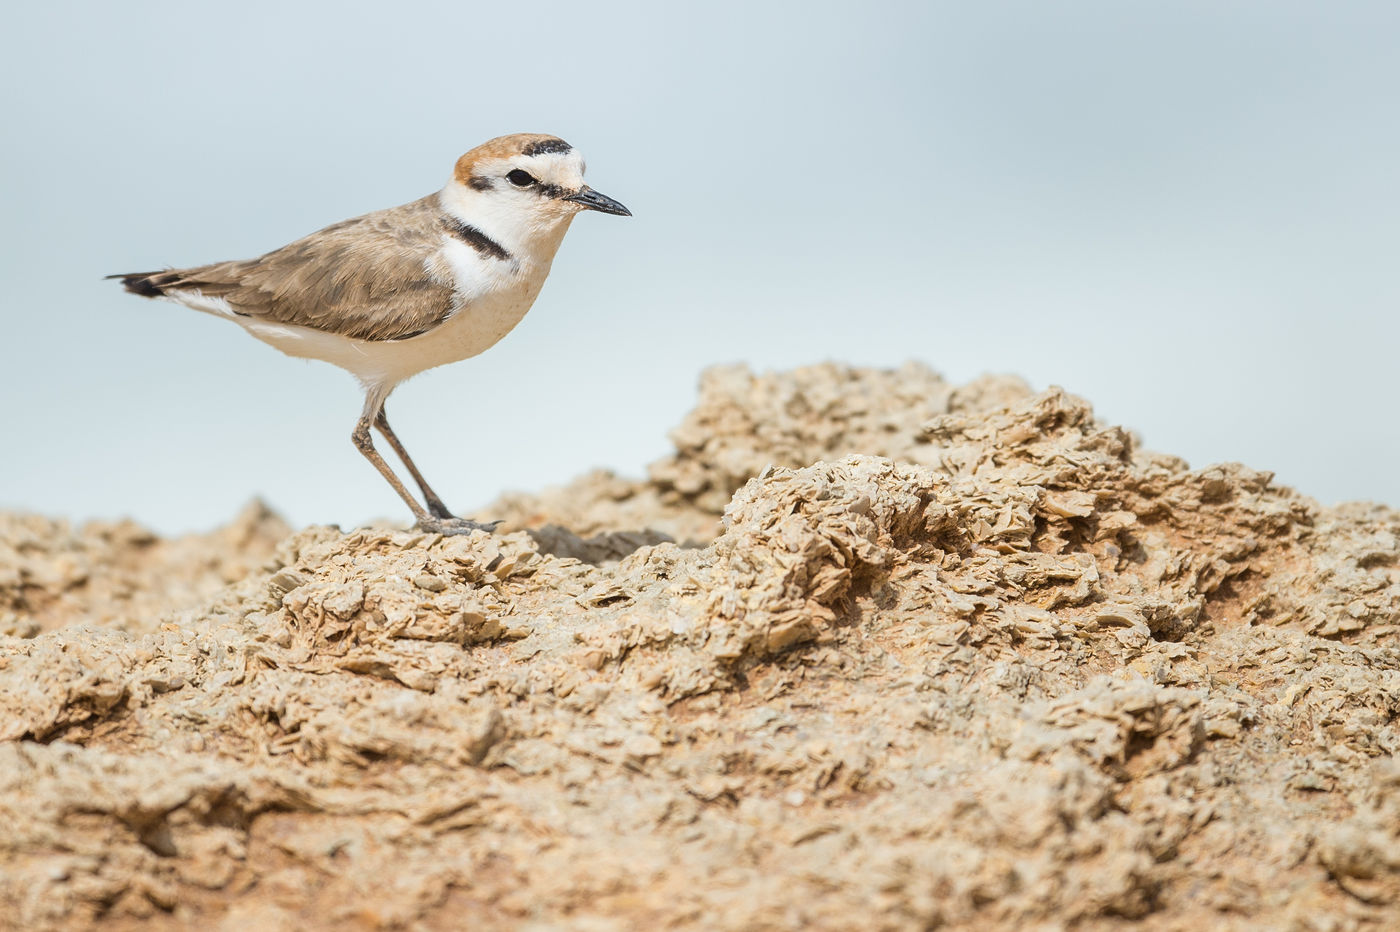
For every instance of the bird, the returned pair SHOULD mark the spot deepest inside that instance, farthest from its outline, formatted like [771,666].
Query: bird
[394,292]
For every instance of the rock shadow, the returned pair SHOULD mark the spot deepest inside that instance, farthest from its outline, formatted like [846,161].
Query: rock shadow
[559,541]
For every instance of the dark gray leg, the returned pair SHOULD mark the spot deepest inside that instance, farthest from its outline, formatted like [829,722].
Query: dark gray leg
[435,505]
[440,519]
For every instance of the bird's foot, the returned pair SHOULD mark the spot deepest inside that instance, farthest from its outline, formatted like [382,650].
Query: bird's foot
[438,510]
[451,526]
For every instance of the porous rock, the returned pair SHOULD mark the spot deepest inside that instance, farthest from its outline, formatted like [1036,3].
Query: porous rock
[867,651]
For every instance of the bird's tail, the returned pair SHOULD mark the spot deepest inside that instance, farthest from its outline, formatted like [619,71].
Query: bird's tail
[148,284]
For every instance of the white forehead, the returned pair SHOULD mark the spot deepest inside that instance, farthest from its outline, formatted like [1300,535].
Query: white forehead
[554,167]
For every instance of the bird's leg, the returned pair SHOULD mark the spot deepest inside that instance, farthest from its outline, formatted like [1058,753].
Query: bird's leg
[365,445]
[435,505]
[374,404]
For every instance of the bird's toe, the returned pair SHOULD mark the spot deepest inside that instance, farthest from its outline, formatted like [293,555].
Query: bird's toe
[450,526]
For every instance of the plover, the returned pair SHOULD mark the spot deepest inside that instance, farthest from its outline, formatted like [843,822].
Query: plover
[390,294]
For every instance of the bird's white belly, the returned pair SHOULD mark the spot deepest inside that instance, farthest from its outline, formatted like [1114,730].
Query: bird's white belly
[476,328]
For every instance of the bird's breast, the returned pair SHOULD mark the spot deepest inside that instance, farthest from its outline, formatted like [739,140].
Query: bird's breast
[484,319]
[492,294]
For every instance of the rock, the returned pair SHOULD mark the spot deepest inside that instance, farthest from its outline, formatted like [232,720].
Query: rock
[868,650]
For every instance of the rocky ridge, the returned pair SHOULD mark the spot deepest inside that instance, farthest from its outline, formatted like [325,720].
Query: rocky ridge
[867,649]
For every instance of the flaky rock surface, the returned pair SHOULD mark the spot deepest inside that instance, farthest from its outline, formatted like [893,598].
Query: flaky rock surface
[867,651]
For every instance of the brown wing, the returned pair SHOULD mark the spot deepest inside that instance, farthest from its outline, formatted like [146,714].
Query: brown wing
[371,278]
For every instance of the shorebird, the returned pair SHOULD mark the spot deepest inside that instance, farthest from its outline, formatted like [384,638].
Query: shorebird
[390,294]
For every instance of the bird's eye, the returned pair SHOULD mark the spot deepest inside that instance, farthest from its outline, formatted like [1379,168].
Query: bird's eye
[521,178]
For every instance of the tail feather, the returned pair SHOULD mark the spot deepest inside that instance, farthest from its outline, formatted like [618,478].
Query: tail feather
[147,284]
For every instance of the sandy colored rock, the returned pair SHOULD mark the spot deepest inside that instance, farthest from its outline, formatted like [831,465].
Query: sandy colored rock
[120,574]
[867,651]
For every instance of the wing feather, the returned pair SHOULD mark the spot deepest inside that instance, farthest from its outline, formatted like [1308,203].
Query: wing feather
[375,277]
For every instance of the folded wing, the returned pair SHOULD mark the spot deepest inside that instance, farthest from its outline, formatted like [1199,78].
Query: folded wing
[375,277]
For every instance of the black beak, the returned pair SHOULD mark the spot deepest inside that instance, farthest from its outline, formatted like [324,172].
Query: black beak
[595,201]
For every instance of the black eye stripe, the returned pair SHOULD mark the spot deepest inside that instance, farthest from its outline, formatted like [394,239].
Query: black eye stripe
[520,178]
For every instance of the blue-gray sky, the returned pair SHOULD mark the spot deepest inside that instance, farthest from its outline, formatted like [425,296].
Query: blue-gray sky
[1187,212]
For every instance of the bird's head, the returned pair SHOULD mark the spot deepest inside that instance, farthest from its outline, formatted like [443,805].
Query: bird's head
[524,185]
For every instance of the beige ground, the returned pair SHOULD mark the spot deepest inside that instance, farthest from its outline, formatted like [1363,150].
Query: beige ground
[955,658]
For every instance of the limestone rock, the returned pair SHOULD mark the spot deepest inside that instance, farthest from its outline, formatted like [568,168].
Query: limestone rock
[869,650]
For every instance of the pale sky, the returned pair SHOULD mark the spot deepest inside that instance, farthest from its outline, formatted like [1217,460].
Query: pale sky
[1188,213]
